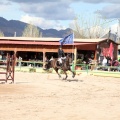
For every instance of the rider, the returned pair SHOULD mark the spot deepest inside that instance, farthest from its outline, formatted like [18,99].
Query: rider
[61,55]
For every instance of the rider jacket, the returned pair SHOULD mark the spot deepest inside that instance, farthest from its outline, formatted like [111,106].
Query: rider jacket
[61,53]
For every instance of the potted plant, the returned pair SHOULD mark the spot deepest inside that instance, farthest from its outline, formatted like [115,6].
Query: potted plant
[78,64]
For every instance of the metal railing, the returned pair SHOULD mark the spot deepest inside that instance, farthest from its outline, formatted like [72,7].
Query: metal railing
[37,66]
[94,69]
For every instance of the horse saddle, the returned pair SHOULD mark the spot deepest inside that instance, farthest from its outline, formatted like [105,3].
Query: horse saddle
[61,64]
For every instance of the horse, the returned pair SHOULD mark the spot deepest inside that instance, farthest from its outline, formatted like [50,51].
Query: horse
[54,63]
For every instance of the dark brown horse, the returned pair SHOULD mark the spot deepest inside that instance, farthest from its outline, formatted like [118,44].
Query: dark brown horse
[54,63]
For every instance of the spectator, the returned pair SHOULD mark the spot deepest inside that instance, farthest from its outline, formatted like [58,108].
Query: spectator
[104,62]
[0,57]
[108,60]
[20,59]
[116,63]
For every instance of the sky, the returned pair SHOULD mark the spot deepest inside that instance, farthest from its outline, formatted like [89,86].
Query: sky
[58,14]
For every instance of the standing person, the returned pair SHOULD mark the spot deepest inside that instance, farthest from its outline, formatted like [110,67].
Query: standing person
[61,55]
[104,62]
[0,57]
[108,60]
[19,59]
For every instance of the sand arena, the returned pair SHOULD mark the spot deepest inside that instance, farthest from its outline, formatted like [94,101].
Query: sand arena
[36,96]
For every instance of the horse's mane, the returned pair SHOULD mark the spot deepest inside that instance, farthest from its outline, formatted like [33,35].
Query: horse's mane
[68,55]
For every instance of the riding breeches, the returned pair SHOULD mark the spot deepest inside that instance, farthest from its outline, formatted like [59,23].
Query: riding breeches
[60,59]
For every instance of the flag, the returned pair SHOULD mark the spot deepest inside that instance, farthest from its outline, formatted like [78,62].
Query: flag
[111,50]
[67,40]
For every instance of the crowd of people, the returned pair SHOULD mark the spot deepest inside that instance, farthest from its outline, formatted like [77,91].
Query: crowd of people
[108,64]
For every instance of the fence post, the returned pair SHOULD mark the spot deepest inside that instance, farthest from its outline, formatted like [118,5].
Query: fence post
[73,67]
[34,64]
[87,68]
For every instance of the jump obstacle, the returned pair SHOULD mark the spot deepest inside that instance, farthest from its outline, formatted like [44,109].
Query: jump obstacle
[7,67]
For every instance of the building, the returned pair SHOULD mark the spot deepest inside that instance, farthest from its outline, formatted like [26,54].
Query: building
[39,48]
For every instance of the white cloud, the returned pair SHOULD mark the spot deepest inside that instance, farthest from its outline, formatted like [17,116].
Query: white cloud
[49,10]
[49,13]
[90,1]
[4,6]
[42,23]
[111,11]
[61,9]
[114,28]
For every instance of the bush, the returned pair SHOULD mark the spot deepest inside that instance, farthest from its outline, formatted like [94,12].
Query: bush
[32,70]
[79,61]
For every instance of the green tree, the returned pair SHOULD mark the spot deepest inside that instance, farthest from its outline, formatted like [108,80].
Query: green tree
[88,26]
[1,34]
[31,31]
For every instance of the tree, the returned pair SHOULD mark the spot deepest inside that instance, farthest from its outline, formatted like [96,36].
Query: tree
[90,26]
[1,34]
[31,31]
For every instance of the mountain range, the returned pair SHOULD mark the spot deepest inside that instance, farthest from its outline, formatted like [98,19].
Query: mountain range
[16,27]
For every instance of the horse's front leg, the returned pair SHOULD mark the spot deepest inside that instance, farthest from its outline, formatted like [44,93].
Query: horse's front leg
[65,75]
[73,73]
[58,72]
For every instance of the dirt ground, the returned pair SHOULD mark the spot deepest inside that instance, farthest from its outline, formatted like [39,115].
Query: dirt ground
[36,96]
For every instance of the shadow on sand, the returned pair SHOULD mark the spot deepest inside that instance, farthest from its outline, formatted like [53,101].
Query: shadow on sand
[21,82]
[69,80]
[74,80]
